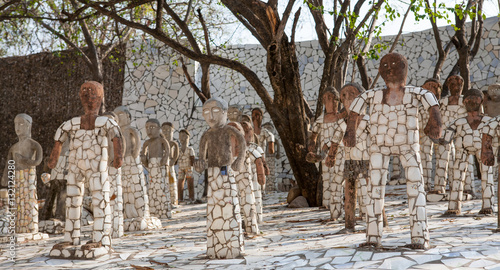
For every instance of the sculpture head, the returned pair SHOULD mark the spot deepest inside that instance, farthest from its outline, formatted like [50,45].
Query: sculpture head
[248,130]
[124,116]
[234,113]
[246,117]
[331,99]
[348,93]
[234,146]
[153,128]
[111,115]
[455,84]
[494,92]
[91,95]
[393,68]
[184,136]
[473,98]
[22,124]
[269,126]
[257,116]
[215,112]
[434,86]
[167,129]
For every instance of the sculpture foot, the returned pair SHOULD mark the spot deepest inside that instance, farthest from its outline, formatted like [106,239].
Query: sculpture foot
[486,211]
[415,246]
[451,213]
[91,245]
[370,244]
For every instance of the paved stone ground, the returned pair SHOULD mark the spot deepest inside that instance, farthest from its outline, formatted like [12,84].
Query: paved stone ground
[293,239]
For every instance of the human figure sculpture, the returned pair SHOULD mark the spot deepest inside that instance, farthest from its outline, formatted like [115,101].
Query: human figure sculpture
[116,190]
[466,133]
[271,160]
[155,155]
[264,138]
[393,112]
[426,144]
[57,189]
[492,101]
[89,137]
[135,194]
[167,130]
[186,161]
[451,108]
[224,235]
[322,131]
[20,174]
[356,159]
[234,113]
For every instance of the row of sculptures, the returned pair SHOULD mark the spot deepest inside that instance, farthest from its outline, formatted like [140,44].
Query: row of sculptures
[354,145]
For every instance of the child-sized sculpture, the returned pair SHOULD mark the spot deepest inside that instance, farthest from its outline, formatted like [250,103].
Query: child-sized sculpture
[426,144]
[20,176]
[466,132]
[155,154]
[116,190]
[322,131]
[186,161]
[135,195]
[224,235]
[393,112]
[167,130]
[452,108]
[90,136]
[265,139]
[271,160]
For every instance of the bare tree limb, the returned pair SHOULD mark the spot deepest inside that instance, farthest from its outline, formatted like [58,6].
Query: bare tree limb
[294,25]
[190,5]
[202,97]
[284,20]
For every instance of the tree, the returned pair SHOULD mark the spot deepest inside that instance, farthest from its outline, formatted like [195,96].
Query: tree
[287,108]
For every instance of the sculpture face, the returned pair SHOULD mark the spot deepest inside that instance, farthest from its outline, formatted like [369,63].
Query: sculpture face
[494,92]
[434,87]
[268,127]
[347,95]
[393,68]
[168,131]
[22,126]
[246,118]
[257,117]
[153,130]
[122,115]
[214,115]
[233,113]
[473,103]
[455,85]
[248,131]
[183,138]
[91,94]
[330,102]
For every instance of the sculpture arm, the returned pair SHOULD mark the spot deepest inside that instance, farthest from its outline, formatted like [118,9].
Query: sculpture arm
[352,126]
[118,152]
[487,156]
[174,152]
[270,147]
[54,155]
[434,129]
[311,147]
[332,152]
[240,140]
[201,163]
[166,152]
[28,161]
[261,177]
[144,158]
[136,143]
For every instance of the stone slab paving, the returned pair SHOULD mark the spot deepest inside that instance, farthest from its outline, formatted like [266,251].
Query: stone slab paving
[292,239]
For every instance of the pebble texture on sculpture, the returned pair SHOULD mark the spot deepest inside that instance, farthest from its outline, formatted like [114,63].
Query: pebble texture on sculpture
[224,235]
[322,132]
[155,154]
[393,112]
[185,161]
[88,161]
[135,194]
[451,108]
[466,132]
[20,175]
[167,130]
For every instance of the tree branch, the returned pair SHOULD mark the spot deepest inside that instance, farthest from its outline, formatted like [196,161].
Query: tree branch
[294,25]
[284,20]
[202,97]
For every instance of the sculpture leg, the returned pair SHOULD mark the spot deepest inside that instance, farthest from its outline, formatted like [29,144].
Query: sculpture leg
[190,182]
[460,167]
[116,202]
[180,185]
[247,202]
[74,200]
[159,190]
[426,148]
[100,188]
[469,177]
[172,185]
[362,186]
[442,160]
[416,200]
[33,201]
[336,186]
[258,200]
[271,178]
[487,188]
[350,174]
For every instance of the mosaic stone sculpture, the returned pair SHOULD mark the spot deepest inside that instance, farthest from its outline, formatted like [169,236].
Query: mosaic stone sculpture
[355,173]
[426,144]
[271,160]
[116,190]
[466,132]
[451,108]
[264,138]
[167,130]
[394,115]
[58,182]
[155,155]
[186,161]
[135,194]
[492,101]
[20,175]
[88,161]
[322,131]
[224,235]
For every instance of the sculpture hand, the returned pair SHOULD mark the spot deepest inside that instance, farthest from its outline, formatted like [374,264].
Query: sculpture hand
[200,165]
[117,162]
[330,161]
[349,139]
[313,158]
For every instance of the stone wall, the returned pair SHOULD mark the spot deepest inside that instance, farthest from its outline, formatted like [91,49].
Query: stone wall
[156,87]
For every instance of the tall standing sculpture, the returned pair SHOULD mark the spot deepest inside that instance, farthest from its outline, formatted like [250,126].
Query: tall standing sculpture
[186,161]
[271,160]
[224,235]
[167,130]
[89,137]
[393,112]
[265,139]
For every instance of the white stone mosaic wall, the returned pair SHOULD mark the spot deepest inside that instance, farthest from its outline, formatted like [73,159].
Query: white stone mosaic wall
[156,88]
